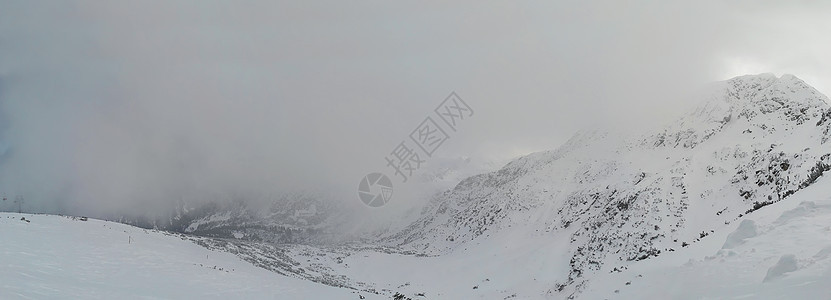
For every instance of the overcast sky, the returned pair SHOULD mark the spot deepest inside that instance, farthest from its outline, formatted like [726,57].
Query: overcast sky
[110,105]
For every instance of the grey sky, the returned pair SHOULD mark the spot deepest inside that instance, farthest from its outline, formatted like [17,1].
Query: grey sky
[112,105]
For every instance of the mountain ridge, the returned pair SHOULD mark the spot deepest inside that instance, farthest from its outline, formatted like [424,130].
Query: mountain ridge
[755,140]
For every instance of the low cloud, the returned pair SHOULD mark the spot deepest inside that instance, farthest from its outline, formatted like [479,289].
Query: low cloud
[109,107]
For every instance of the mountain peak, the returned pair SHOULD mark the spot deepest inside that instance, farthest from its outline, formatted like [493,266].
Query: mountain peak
[771,92]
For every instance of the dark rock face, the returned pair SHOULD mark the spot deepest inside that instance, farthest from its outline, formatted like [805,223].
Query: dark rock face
[825,124]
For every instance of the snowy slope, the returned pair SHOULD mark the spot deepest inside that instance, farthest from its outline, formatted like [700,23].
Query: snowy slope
[780,252]
[54,257]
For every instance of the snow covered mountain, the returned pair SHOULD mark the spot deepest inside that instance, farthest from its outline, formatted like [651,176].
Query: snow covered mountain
[729,201]
[754,141]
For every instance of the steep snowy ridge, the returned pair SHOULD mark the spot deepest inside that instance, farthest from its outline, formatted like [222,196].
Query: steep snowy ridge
[755,140]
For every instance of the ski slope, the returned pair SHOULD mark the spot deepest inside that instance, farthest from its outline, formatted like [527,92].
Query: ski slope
[55,257]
